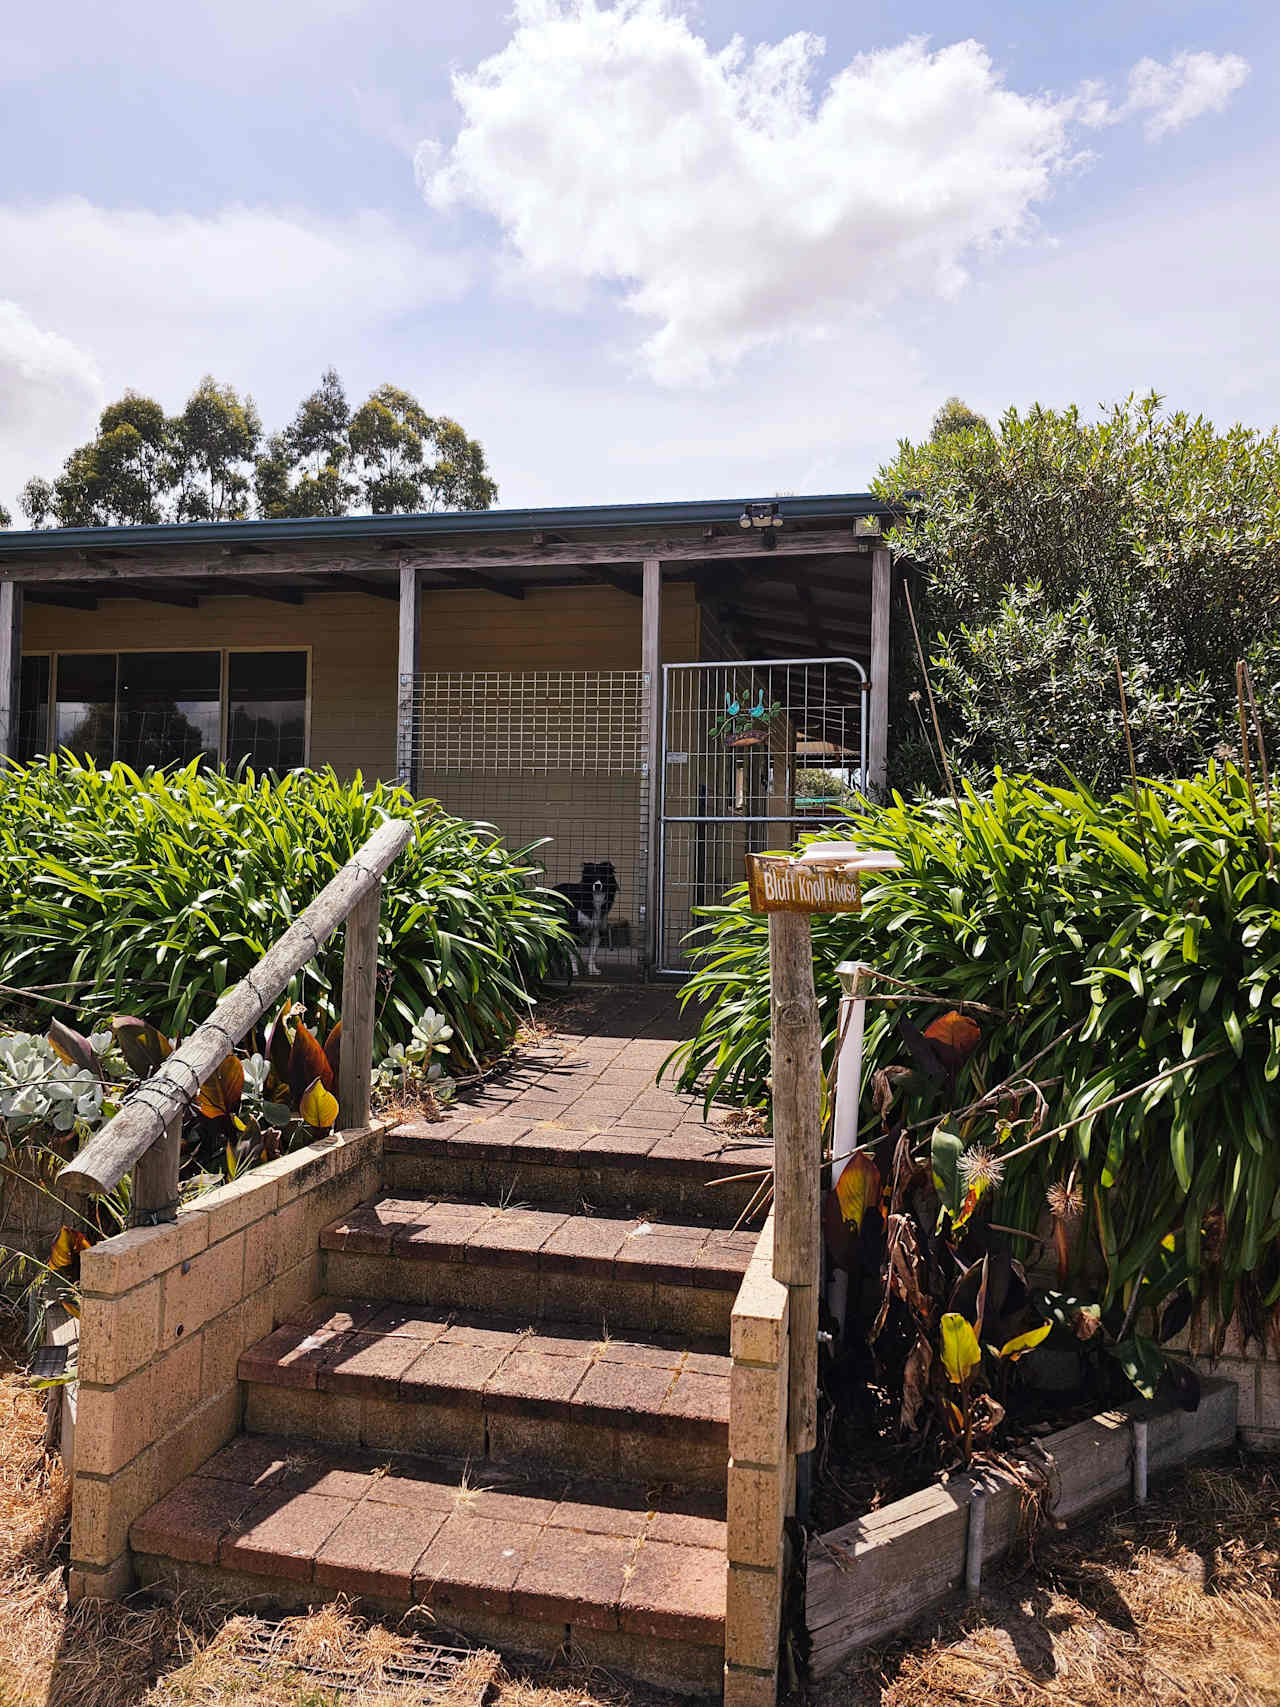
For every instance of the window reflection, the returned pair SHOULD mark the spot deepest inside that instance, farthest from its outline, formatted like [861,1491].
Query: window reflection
[86,712]
[169,704]
[165,708]
[267,704]
[32,734]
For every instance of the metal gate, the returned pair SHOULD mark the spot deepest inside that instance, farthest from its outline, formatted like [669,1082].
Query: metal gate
[755,753]
[550,756]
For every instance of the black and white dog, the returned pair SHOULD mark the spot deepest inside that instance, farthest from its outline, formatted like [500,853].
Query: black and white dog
[588,903]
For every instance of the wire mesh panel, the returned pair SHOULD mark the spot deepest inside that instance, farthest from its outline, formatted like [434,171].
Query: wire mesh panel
[549,756]
[755,753]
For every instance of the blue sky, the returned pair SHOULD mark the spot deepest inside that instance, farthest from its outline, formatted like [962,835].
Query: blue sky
[635,262]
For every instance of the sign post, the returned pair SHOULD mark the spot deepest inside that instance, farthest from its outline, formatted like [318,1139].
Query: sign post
[826,878]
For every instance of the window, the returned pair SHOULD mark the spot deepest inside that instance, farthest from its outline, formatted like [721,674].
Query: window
[170,709]
[166,708]
[85,719]
[267,709]
[33,707]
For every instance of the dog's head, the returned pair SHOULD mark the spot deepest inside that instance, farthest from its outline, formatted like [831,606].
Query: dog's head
[599,876]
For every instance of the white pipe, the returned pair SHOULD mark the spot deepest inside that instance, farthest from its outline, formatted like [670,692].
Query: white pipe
[851,1025]
[1139,1461]
[974,1547]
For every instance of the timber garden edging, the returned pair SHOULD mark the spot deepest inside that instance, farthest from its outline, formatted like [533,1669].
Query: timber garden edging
[874,1576]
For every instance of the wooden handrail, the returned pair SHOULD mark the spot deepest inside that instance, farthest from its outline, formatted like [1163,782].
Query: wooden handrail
[145,1133]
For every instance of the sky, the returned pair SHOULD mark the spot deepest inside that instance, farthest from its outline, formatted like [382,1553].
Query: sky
[644,249]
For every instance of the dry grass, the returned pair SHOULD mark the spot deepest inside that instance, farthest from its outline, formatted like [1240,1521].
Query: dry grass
[187,1655]
[1174,1605]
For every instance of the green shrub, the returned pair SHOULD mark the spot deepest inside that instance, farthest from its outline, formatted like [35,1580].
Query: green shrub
[151,894]
[1120,944]
[1143,535]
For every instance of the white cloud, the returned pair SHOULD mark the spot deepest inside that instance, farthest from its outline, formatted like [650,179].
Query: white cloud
[241,266]
[613,144]
[1190,85]
[49,388]
[733,205]
[261,297]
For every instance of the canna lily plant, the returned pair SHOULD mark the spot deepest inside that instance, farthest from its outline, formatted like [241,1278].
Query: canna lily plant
[944,1321]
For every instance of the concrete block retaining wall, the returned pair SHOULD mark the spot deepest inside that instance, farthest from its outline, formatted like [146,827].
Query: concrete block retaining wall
[166,1313]
[1256,1373]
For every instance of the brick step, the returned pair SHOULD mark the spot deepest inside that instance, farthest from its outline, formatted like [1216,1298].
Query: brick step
[631,1578]
[498,1389]
[646,1171]
[653,1275]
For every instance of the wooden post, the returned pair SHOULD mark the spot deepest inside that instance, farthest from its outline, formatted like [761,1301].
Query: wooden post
[359,999]
[10,666]
[797,1158]
[877,778]
[155,1179]
[651,664]
[407,668]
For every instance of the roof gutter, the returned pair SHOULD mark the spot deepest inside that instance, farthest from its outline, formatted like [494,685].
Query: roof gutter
[320,529]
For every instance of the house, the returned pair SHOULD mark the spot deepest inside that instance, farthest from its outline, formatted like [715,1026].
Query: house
[639,684]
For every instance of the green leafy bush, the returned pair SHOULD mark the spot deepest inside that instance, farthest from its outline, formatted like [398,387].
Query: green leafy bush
[151,894]
[1057,544]
[1119,948]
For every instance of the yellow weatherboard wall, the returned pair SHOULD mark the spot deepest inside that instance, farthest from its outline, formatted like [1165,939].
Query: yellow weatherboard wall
[352,640]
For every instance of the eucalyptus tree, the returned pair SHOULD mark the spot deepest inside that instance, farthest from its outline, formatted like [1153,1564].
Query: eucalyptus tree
[212,463]
[409,460]
[215,440]
[123,475]
[37,501]
[316,443]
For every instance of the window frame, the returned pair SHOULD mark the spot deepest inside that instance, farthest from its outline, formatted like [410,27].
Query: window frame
[54,654]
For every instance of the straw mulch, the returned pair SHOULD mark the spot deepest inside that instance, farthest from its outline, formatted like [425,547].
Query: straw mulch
[1173,1605]
[1177,1605]
[147,1655]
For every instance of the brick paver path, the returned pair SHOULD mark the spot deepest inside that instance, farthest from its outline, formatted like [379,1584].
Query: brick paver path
[598,1075]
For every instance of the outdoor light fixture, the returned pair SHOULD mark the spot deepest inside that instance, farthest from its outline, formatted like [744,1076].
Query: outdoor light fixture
[763,516]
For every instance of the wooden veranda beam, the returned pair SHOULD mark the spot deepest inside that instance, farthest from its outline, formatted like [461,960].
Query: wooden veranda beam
[195,562]
[474,577]
[67,599]
[633,584]
[264,590]
[361,584]
[151,596]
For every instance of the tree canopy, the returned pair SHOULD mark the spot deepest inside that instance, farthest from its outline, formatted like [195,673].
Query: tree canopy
[955,416]
[1046,548]
[212,462]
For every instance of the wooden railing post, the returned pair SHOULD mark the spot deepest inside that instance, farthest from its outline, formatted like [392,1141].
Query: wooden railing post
[155,1179]
[797,1158]
[359,999]
[145,1121]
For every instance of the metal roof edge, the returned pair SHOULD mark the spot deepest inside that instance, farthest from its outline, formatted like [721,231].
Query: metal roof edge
[556,519]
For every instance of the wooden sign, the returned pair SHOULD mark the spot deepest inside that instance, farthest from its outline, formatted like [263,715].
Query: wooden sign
[777,884]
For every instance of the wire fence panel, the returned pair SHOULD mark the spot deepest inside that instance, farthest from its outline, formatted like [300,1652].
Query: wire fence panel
[755,754]
[549,757]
